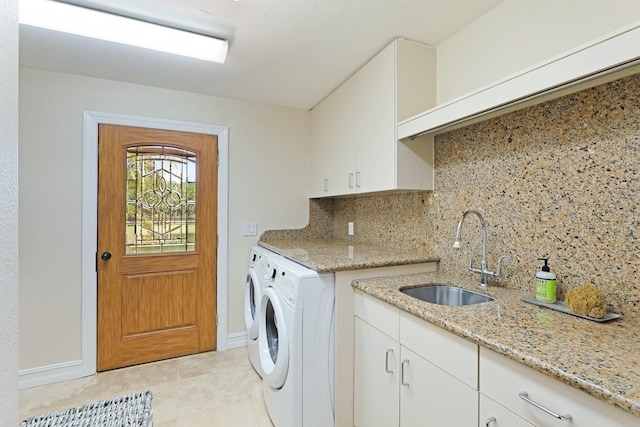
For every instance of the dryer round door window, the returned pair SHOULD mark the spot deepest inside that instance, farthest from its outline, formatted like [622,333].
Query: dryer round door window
[252,303]
[273,340]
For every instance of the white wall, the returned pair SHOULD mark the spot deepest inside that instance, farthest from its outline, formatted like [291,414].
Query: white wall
[9,212]
[517,34]
[268,184]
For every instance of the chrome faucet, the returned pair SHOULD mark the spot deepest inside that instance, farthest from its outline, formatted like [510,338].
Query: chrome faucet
[484,271]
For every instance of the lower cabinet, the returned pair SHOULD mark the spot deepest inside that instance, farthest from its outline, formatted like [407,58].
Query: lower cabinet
[541,400]
[431,397]
[408,372]
[395,385]
[493,414]
[376,378]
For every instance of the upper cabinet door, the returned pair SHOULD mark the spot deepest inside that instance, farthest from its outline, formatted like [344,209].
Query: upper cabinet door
[376,113]
[333,149]
[354,146]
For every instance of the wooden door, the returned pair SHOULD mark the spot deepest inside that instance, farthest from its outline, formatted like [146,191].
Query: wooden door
[157,244]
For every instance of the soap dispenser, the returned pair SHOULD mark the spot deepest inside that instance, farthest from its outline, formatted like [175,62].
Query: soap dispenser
[545,284]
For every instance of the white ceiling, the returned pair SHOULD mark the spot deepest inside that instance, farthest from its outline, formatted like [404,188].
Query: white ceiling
[284,52]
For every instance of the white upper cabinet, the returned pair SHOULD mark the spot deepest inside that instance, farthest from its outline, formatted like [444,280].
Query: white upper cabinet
[604,59]
[354,144]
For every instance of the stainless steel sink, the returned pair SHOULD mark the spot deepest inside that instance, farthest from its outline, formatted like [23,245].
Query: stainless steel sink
[445,295]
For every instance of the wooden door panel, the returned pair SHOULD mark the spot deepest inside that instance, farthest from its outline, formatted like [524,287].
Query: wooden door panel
[153,304]
[162,344]
[158,263]
[157,301]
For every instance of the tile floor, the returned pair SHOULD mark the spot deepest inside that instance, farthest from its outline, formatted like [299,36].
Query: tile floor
[209,389]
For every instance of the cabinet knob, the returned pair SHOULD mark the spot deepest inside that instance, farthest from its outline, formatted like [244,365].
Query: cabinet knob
[106,256]
[490,421]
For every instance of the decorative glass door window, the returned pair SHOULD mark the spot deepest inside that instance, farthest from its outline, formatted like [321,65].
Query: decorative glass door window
[161,200]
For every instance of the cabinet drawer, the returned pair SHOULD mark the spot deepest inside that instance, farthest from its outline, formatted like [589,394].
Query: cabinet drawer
[377,313]
[493,414]
[503,379]
[451,353]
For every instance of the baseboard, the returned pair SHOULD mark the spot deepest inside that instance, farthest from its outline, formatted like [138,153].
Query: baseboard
[239,339]
[49,374]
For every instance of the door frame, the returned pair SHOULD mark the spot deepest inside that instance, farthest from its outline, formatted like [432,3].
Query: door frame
[91,120]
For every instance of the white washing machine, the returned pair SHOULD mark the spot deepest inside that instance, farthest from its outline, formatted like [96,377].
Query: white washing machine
[260,272]
[296,343]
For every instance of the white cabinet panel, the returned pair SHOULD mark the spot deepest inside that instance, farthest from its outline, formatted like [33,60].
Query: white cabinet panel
[376,373]
[452,353]
[375,135]
[412,373]
[396,386]
[431,397]
[378,313]
[345,333]
[503,379]
[354,145]
[604,59]
[495,415]
[333,154]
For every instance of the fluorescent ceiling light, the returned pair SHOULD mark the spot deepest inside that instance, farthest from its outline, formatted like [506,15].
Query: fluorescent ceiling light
[104,26]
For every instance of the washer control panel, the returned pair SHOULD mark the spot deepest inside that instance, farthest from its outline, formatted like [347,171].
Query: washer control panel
[287,283]
[265,268]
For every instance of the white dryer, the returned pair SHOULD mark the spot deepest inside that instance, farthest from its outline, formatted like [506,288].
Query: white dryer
[260,272]
[296,346]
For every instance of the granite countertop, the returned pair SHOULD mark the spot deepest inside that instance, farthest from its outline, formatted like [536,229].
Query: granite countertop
[602,359]
[340,255]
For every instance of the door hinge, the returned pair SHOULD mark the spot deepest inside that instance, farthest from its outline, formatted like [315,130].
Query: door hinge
[216,320]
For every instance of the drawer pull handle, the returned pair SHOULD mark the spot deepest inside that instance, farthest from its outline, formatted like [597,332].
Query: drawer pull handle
[386,362]
[404,362]
[525,396]
[490,420]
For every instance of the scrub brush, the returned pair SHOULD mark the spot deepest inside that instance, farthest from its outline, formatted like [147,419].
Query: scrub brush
[586,300]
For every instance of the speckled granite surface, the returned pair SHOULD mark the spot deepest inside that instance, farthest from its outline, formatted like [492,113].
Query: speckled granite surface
[340,255]
[390,229]
[561,180]
[398,220]
[603,359]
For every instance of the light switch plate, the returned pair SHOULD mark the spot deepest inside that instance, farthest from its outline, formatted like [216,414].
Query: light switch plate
[249,229]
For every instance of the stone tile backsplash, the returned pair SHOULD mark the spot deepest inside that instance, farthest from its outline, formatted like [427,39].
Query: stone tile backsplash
[560,180]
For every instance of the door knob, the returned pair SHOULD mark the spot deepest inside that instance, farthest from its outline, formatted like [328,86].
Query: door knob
[106,256]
